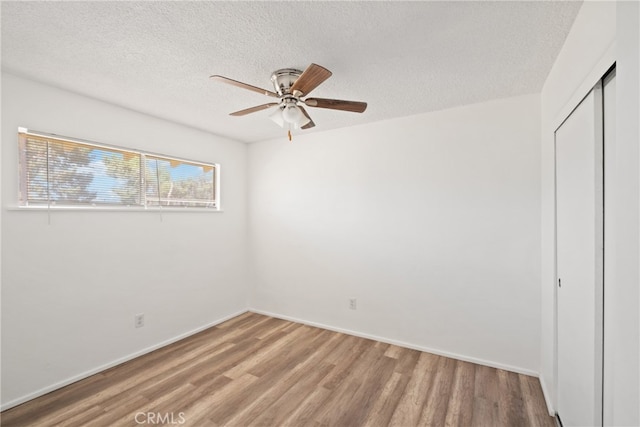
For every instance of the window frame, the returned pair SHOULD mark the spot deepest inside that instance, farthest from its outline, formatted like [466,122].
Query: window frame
[23,203]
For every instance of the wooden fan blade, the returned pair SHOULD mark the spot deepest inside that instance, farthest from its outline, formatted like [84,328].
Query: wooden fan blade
[310,124]
[310,79]
[254,109]
[337,104]
[243,85]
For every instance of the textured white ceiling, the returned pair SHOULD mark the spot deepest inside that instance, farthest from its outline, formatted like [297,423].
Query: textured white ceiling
[402,58]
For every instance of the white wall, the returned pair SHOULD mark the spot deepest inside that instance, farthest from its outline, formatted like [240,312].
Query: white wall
[603,32]
[70,288]
[430,221]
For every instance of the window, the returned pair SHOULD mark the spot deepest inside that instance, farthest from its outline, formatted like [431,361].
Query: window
[57,171]
[177,183]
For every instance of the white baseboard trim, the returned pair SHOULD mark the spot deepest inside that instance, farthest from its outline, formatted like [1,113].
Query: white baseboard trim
[547,396]
[385,340]
[142,352]
[83,375]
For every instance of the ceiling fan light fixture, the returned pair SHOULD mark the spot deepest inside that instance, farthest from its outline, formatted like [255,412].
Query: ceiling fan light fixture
[304,121]
[292,114]
[277,117]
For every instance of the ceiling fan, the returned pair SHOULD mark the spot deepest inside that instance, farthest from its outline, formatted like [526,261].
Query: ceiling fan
[291,87]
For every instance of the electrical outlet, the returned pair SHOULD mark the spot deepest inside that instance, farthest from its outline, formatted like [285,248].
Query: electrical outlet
[138,320]
[352,303]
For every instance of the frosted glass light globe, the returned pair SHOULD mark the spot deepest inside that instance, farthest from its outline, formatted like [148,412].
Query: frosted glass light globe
[292,114]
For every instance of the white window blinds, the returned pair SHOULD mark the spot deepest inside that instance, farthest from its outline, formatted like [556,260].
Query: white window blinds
[178,183]
[62,172]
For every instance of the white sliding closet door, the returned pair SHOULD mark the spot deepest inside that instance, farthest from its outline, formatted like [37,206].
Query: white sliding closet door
[579,234]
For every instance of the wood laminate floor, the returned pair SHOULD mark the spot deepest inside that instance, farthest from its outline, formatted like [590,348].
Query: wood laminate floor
[258,370]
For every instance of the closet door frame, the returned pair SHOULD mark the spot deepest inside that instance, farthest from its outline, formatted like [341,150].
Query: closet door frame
[599,149]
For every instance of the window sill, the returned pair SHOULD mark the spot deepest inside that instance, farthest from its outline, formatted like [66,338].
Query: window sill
[110,209]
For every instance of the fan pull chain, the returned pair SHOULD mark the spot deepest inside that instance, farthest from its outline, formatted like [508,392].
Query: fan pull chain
[289,134]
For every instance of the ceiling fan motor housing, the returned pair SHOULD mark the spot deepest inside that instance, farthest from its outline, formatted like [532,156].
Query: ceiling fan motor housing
[283,80]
